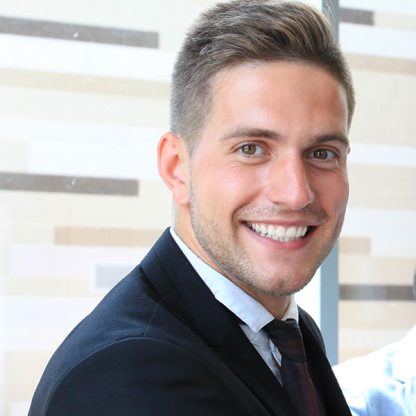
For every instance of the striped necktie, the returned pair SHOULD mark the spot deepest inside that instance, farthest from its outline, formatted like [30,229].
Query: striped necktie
[296,380]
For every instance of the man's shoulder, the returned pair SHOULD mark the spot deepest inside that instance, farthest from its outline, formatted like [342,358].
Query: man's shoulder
[134,309]
[130,351]
[129,328]
[123,313]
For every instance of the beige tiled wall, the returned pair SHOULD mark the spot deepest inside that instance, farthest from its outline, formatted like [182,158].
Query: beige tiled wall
[378,247]
[75,115]
[100,117]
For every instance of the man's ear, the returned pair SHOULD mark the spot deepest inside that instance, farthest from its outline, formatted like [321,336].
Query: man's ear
[173,166]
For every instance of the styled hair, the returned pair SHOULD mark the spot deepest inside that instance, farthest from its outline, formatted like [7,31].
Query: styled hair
[240,31]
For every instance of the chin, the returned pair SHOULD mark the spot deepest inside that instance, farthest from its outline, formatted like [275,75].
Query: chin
[291,283]
[283,287]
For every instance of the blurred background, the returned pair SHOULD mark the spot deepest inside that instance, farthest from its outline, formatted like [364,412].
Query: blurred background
[84,94]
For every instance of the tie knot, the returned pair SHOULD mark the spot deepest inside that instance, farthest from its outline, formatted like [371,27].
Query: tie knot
[288,339]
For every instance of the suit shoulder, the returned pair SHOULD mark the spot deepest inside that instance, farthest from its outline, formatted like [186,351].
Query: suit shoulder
[139,373]
[115,318]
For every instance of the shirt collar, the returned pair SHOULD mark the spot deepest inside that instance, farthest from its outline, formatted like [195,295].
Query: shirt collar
[246,308]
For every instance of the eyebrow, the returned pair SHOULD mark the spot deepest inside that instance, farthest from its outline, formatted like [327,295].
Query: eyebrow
[253,132]
[334,137]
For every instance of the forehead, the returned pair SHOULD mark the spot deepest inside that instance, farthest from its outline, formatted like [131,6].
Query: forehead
[279,78]
[278,95]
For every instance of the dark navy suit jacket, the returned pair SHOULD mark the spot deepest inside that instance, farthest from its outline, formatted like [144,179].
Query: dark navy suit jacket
[160,344]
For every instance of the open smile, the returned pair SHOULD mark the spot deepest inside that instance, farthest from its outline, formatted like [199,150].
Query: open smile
[279,232]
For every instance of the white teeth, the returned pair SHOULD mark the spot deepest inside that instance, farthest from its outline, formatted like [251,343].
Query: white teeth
[300,232]
[279,232]
[291,232]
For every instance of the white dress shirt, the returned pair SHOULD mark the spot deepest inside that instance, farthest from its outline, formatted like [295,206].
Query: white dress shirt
[253,315]
[382,383]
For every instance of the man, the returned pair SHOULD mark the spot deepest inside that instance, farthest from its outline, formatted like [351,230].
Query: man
[256,164]
[386,385]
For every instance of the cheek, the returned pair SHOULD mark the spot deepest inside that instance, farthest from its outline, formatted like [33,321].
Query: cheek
[225,190]
[338,197]
[238,184]
[332,194]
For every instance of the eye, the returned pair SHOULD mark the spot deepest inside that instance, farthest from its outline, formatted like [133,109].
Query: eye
[251,149]
[323,154]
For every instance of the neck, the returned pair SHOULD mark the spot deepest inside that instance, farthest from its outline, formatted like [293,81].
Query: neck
[277,305]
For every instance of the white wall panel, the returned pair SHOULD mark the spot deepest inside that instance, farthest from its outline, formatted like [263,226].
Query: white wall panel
[396,6]
[85,149]
[66,262]
[392,233]
[33,322]
[380,154]
[84,58]
[370,40]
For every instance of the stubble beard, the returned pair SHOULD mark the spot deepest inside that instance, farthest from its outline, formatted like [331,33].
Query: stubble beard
[233,261]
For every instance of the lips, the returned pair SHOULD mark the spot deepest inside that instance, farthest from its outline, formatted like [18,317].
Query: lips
[279,232]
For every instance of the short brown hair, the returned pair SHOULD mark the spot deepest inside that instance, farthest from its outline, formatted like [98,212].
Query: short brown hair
[241,31]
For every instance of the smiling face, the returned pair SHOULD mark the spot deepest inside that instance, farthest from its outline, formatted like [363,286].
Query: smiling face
[267,183]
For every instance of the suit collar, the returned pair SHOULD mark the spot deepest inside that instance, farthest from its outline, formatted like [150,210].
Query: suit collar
[325,381]
[246,308]
[183,290]
[187,296]
[191,301]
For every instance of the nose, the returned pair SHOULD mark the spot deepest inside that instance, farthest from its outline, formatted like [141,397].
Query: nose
[289,184]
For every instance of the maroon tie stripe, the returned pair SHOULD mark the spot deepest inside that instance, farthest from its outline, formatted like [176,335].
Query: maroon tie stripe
[296,380]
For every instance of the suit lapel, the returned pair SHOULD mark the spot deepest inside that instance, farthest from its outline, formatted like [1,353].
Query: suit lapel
[192,302]
[245,362]
[321,372]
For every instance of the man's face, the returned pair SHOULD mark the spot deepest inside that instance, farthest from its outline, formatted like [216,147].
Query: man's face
[268,179]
